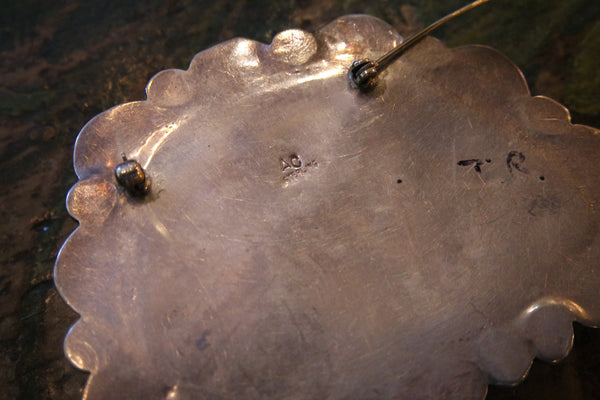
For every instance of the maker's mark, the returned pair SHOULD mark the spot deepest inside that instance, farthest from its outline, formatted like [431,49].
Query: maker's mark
[293,167]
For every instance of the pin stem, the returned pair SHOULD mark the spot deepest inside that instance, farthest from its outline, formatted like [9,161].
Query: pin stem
[363,73]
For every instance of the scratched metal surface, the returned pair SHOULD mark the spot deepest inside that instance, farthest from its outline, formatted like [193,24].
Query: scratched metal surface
[303,239]
[65,62]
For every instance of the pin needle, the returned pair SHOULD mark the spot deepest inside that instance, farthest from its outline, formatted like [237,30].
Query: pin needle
[363,73]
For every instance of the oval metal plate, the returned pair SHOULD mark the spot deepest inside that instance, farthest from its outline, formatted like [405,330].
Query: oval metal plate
[302,240]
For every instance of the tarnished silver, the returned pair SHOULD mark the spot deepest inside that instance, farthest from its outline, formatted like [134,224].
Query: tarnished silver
[304,240]
[131,176]
[363,73]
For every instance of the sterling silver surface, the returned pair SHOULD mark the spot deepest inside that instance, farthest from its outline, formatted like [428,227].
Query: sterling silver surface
[303,240]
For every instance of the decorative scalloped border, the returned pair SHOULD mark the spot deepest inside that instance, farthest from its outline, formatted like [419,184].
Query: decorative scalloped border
[292,52]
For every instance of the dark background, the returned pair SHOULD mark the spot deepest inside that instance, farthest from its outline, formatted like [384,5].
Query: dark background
[62,62]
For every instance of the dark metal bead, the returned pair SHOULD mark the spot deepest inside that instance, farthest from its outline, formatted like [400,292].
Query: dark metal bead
[363,74]
[132,177]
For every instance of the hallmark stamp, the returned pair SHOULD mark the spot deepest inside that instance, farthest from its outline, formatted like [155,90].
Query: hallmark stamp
[294,167]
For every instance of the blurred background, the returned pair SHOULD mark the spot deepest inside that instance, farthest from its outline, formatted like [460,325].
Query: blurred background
[63,62]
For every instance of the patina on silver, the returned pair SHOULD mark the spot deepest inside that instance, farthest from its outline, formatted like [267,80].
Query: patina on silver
[307,241]
[363,73]
[132,177]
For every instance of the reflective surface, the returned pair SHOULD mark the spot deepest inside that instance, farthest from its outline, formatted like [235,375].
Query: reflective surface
[304,240]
